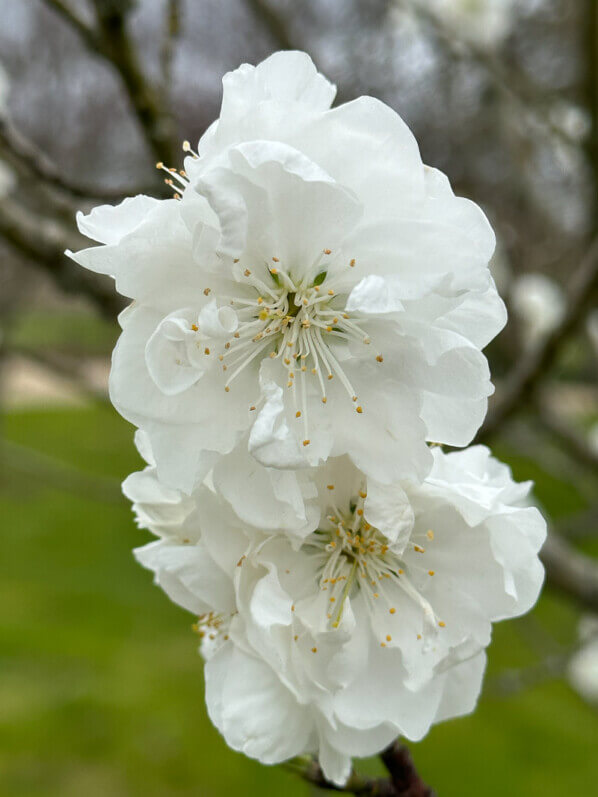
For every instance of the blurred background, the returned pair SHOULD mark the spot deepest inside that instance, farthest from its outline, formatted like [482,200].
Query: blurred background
[101,688]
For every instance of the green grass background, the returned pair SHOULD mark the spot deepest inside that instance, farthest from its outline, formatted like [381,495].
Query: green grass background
[101,689]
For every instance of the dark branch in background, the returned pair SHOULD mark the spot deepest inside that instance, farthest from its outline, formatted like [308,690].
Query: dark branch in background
[569,438]
[531,367]
[171,34]
[404,776]
[525,98]
[31,163]
[571,572]
[110,40]
[274,22]
[44,241]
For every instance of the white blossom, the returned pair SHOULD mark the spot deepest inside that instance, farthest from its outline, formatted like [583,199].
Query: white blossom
[582,671]
[539,305]
[373,625]
[486,22]
[317,291]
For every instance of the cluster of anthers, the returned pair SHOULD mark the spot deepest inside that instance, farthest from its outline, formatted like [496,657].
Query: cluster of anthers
[356,556]
[295,321]
[211,625]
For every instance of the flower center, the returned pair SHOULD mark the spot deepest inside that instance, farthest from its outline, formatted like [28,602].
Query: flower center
[357,557]
[300,322]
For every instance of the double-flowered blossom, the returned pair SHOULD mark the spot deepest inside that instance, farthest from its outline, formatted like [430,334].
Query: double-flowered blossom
[374,625]
[308,316]
[314,290]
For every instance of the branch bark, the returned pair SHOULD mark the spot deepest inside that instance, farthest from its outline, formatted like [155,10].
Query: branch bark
[44,241]
[404,780]
[570,571]
[573,442]
[110,40]
[531,367]
[31,163]
[274,22]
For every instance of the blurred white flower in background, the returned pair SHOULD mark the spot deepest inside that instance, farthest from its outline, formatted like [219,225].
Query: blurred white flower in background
[7,179]
[592,329]
[583,666]
[539,304]
[486,22]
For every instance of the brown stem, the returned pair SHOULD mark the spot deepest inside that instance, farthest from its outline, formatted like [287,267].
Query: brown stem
[405,778]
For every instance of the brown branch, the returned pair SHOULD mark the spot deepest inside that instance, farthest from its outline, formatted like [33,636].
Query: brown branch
[357,784]
[65,12]
[110,40]
[43,241]
[171,34]
[525,97]
[404,780]
[573,442]
[520,384]
[31,163]
[404,776]
[570,571]
[274,22]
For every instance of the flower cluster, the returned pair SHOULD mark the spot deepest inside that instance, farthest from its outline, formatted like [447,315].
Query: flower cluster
[309,313]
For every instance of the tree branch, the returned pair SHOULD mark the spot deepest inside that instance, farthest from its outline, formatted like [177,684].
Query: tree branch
[404,776]
[404,780]
[64,11]
[111,41]
[569,438]
[171,34]
[571,572]
[531,367]
[274,22]
[30,162]
[44,241]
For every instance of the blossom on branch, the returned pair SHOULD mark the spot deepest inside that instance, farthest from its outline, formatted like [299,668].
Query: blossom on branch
[374,625]
[313,291]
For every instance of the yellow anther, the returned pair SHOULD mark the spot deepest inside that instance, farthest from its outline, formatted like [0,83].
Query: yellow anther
[330,486]
[276,260]
[324,400]
[352,262]
[431,572]
[298,414]
[419,549]
[380,358]
[247,272]
[314,650]
[388,638]
[227,389]
[207,291]
[251,409]
[430,534]
[206,350]
[327,251]
[359,410]
[392,610]
[306,442]
[194,327]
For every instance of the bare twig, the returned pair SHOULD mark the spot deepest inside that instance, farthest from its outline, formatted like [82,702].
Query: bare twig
[531,367]
[171,34]
[571,571]
[309,769]
[274,22]
[44,241]
[525,97]
[110,40]
[404,776]
[404,780]
[30,162]
[569,438]
[66,13]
